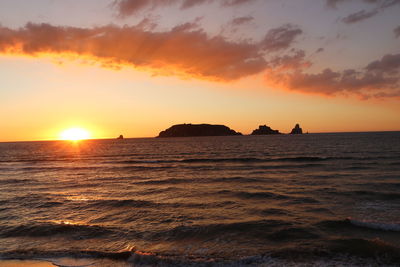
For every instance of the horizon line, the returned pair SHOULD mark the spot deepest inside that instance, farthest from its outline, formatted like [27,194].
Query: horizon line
[153,137]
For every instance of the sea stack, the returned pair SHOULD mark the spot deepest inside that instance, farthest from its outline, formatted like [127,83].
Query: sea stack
[264,130]
[189,130]
[120,137]
[297,130]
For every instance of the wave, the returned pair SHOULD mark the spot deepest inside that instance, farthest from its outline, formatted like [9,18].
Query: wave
[258,195]
[272,211]
[279,257]
[50,255]
[125,203]
[380,195]
[350,223]
[255,229]
[237,179]
[370,194]
[250,195]
[365,248]
[376,225]
[46,229]
[120,203]
[292,233]
[240,160]
[17,181]
[198,160]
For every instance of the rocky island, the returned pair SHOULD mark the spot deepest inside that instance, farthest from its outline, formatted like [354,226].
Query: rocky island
[264,130]
[188,130]
[297,130]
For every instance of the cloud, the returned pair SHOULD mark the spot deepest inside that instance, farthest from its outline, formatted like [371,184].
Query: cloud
[236,2]
[241,20]
[184,50]
[187,51]
[380,5]
[281,37]
[380,78]
[397,31]
[295,60]
[131,7]
[359,16]
[333,3]
[389,64]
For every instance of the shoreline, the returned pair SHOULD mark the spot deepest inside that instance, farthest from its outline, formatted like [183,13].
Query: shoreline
[64,262]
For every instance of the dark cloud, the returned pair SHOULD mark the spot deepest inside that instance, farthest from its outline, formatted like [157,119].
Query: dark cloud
[236,2]
[185,50]
[192,3]
[380,3]
[281,37]
[378,79]
[130,7]
[241,20]
[359,16]
[333,3]
[293,61]
[389,64]
[397,32]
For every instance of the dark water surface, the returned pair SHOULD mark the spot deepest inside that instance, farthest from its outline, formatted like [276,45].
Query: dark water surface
[208,200]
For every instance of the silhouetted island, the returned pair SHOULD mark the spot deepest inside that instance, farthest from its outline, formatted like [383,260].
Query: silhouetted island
[120,137]
[297,130]
[264,130]
[188,130]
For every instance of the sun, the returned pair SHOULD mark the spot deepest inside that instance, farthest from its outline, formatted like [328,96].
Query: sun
[75,134]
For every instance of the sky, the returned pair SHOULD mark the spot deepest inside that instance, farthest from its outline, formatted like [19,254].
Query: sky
[137,67]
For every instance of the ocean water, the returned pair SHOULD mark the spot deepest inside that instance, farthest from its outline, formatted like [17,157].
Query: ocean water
[313,199]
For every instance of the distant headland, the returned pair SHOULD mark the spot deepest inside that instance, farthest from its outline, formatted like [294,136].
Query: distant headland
[192,130]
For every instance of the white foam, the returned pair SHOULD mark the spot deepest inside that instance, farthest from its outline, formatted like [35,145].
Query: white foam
[376,225]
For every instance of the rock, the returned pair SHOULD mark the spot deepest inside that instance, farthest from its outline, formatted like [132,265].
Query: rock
[297,130]
[264,130]
[120,137]
[188,130]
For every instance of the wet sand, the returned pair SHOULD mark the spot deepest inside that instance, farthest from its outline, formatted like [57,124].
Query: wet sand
[64,262]
[20,263]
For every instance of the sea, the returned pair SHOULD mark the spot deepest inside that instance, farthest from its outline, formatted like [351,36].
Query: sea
[330,199]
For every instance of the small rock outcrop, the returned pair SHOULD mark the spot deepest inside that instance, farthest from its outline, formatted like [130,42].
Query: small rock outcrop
[297,130]
[120,137]
[189,130]
[264,130]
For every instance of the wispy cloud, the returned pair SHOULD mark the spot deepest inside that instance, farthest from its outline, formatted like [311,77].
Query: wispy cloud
[281,37]
[380,3]
[241,20]
[359,16]
[130,7]
[363,14]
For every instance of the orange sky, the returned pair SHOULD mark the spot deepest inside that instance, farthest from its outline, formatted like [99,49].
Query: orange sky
[160,64]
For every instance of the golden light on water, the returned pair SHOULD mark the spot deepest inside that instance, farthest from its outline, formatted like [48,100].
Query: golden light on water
[75,134]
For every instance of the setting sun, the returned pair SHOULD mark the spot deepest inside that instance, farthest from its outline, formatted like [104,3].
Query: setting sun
[74,134]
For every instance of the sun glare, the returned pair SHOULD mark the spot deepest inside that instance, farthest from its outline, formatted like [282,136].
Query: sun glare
[75,134]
